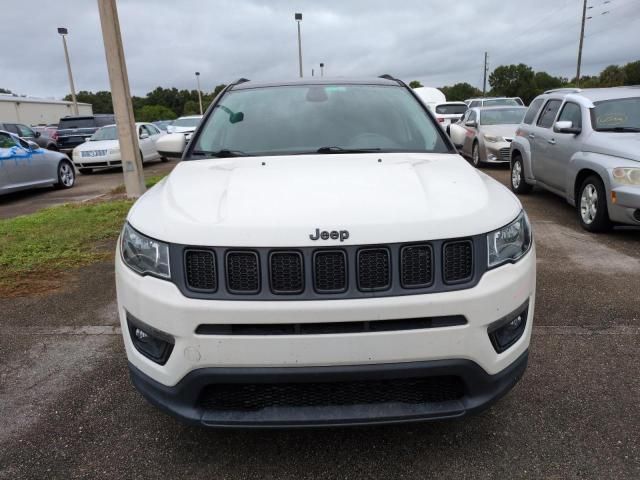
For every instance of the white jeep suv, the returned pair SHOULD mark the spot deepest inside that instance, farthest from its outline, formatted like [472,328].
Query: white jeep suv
[323,256]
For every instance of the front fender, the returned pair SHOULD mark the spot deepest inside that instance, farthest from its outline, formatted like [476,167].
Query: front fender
[596,162]
[522,146]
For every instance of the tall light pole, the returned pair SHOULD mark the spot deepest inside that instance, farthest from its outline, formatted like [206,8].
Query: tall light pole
[63,32]
[322,69]
[298,18]
[584,19]
[121,98]
[199,92]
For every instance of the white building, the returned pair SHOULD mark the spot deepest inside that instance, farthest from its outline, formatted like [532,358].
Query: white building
[37,111]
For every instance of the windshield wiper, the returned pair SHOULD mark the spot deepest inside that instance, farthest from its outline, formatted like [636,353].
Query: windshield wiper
[346,150]
[224,153]
[618,129]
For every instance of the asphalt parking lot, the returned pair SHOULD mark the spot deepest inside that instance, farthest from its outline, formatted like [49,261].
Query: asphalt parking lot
[87,187]
[67,409]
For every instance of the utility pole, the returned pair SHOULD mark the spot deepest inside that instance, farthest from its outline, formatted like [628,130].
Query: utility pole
[322,69]
[484,81]
[298,17]
[584,19]
[199,92]
[63,32]
[121,97]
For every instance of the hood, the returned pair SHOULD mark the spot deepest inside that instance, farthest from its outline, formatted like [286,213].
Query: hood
[507,131]
[175,129]
[99,145]
[281,201]
[623,145]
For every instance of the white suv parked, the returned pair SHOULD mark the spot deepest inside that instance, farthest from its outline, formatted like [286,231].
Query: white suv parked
[323,256]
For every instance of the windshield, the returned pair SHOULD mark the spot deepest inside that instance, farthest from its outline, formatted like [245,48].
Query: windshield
[105,133]
[451,109]
[87,122]
[621,114]
[498,102]
[502,116]
[308,118]
[187,122]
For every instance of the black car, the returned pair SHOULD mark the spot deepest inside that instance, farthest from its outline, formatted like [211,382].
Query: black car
[29,133]
[72,131]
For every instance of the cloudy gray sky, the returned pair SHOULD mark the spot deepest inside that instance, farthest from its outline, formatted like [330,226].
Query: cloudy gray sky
[438,42]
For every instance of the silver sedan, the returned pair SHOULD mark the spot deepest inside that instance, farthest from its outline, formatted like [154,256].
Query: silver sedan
[24,165]
[485,133]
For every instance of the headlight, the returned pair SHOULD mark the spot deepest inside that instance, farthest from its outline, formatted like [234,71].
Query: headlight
[493,139]
[626,176]
[114,151]
[509,243]
[144,255]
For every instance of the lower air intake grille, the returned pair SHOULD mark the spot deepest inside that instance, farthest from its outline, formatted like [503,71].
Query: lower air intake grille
[200,270]
[373,269]
[458,261]
[330,271]
[243,272]
[254,397]
[286,273]
[416,266]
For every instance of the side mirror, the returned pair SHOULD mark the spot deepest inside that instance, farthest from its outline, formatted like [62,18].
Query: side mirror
[565,126]
[144,135]
[33,145]
[38,134]
[171,145]
[471,123]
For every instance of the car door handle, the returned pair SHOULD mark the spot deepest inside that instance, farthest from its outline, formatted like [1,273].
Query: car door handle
[552,141]
[531,135]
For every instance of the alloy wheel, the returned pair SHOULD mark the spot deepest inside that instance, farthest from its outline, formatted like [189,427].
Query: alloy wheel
[589,204]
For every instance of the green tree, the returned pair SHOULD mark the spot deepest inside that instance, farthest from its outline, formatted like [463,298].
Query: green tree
[415,84]
[4,90]
[191,107]
[514,81]
[460,91]
[544,82]
[632,73]
[612,76]
[101,101]
[151,113]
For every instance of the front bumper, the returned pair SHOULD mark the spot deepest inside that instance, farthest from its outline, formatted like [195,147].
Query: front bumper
[184,400]
[497,152]
[199,359]
[627,207]
[104,161]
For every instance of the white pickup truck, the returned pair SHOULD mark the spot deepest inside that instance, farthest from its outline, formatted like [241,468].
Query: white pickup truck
[323,256]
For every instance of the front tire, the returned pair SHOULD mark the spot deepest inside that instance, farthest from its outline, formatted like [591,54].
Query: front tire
[475,155]
[66,175]
[591,205]
[518,183]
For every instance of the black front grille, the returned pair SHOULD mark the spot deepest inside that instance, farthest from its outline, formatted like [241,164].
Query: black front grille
[287,274]
[374,272]
[243,272]
[258,396]
[200,270]
[458,261]
[416,266]
[330,271]
[505,154]
[349,271]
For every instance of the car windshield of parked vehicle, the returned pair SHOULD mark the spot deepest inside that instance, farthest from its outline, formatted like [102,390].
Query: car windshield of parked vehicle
[502,116]
[498,102]
[187,122]
[619,115]
[319,119]
[87,122]
[105,133]
[451,109]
